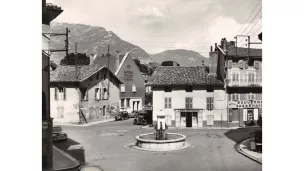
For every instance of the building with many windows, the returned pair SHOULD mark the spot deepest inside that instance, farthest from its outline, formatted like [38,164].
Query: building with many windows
[84,94]
[241,69]
[132,89]
[188,97]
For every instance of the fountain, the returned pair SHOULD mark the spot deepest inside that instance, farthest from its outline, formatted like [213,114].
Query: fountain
[161,140]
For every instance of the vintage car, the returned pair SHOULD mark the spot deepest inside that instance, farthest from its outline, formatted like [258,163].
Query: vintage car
[133,114]
[122,116]
[58,134]
[142,118]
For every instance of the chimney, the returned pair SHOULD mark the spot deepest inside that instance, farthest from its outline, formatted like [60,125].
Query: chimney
[210,48]
[91,59]
[224,44]
[117,61]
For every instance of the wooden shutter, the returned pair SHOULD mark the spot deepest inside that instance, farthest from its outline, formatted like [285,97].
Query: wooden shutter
[211,103]
[207,103]
[64,93]
[86,95]
[190,103]
[246,64]
[56,93]
[170,102]
[166,102]
[187,102]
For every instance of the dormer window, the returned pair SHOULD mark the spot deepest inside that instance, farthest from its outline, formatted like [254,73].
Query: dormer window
[133,88]
[122,88]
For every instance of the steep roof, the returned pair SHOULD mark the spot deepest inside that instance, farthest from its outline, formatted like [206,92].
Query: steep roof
[67,73]
[103,60]
[173,75]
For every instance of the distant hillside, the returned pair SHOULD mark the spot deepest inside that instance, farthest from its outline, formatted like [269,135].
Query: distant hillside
[181,56]
[93,40]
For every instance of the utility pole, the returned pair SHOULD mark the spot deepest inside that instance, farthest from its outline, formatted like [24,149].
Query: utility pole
[108,70]
[76,48]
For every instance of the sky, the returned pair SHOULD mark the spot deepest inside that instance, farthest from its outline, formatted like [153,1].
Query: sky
[158,25]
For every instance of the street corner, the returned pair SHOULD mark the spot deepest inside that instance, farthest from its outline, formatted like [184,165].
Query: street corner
[244,149]
[63,161]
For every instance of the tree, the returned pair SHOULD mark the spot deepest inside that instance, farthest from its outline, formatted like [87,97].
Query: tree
[82,59]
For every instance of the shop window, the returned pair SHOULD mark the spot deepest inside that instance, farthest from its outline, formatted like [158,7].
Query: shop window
[97,94]
[84,94]
[168,103]
[189,103]
[122,103]
[134,88]
[122,88]
[128,102]
[235,97]
[189,88]
[233,115]
[210,103]
[168,89]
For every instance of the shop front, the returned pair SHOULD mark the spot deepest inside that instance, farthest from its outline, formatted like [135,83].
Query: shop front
[188,118]
[244,112]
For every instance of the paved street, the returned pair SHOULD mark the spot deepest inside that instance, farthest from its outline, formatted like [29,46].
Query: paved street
[105,144]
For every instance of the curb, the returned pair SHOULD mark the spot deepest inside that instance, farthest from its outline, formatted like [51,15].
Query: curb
[133,146]
[239,149]
[86,124]
[193,128]
[77,164]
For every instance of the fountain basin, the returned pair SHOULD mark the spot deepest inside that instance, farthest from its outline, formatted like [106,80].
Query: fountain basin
[174,142]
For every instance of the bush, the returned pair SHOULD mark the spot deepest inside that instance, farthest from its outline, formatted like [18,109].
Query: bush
[257,135]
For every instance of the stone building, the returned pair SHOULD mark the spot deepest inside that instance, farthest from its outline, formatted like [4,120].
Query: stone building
[90,95]
[132,89]
[241,70]
[189,97]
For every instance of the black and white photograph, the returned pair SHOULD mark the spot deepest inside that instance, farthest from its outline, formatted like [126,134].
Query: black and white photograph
[146,85]
[151,85]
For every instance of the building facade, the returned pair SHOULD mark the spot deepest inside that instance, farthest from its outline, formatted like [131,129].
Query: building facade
[132,90]
[241,69]
[92,96]
[188,97]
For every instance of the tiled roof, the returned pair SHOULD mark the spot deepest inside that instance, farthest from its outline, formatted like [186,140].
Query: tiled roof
[244,51]
[173,75]
[67,73]
[103,60]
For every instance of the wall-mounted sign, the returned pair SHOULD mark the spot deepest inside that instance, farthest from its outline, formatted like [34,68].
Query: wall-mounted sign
[245,104]
[128,75]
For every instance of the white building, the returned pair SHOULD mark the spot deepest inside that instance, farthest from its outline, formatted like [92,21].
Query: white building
[189,97]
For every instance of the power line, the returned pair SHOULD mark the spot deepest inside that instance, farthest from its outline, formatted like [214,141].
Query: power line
[249,16]
[252,28]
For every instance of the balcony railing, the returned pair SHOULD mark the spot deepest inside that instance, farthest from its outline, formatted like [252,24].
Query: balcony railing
[244,83]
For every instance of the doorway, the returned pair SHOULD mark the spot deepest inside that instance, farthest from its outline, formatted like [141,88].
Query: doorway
[135,105]
[189,119]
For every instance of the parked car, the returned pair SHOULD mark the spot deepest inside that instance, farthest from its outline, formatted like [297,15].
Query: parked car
[142,118]
[133,114]
[58,134]
[122,116]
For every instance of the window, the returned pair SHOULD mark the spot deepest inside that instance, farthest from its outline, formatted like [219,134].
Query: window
[84,94]
[122,102]
[168,89]
[233,115]
[210,102]
[128,102]
[235,97]
[104,111]
[105,93]
[60,93]
[189,103]
[251,96]
[133,88]
[250,78]
[122,88]
[97,93]
[189,88]
[168,103]
[256,64]
[235,78]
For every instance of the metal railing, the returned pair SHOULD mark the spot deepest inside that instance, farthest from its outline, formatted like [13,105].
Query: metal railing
[244,83]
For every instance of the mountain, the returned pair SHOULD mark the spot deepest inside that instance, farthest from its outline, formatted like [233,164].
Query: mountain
[92,40]
[181,56]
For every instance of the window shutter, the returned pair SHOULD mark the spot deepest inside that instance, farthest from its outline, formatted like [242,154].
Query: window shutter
[86,95]
[170,102]
[241,64]
[256,64]
[56,93]
[133,88]
[212,102]
[207,104]
[187,102]
[165,102]
[246,64]
[190,105]
[64,93]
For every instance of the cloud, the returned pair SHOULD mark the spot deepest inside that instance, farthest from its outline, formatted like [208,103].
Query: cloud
[150,12]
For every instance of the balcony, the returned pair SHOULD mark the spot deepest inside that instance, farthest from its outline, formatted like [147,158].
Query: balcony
[243,83]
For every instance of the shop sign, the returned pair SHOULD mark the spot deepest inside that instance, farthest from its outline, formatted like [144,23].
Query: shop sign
[128,75]
[245,104]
